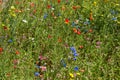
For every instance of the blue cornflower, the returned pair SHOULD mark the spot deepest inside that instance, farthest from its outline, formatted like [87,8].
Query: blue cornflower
[114,18]
[73,24]
[37,73]
[113,12]
[76,68]
[73,49]
[59,14]
[75,54]
[75,58]
[86,23]
[45,16]
[63,63]
[10,40]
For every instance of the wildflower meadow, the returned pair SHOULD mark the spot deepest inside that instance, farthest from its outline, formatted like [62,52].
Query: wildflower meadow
[59,39]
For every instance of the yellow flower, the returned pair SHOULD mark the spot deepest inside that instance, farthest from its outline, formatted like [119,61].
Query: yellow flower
[71,75]
[3,24]
[78,73]
[102,15]
[13,14]
[117,4]
[13,7]
[94,3]
[118,22]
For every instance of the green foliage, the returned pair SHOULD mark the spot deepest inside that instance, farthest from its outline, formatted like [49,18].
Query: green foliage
[42,33]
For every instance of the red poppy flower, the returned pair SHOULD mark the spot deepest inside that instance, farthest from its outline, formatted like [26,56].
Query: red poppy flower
[14,66]
[17,52]
[32,4]
[78,32]
[59,1]
[67,21]
[49,36]
[5,27]
[1,49]
[17,2]
[34,11]
[81,47]
[48,6]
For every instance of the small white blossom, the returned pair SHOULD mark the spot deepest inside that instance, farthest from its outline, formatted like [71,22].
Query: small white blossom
[25,21]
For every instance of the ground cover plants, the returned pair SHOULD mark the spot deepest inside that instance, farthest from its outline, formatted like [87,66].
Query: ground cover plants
[60,40]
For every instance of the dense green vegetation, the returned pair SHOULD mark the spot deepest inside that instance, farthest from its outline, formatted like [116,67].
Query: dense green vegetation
[60,40]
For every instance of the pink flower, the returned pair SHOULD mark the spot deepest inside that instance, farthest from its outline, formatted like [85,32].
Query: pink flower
[98,43]
[43,68]
[15,62]
[42,58]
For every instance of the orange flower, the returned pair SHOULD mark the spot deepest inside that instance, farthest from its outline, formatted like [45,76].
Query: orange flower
[53,14]
[90,30]
[17,52]
[1,2]
[74,7]
[82,70]
[8,74]
[74,30]
[59,40]
[91,17]
[67,21]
